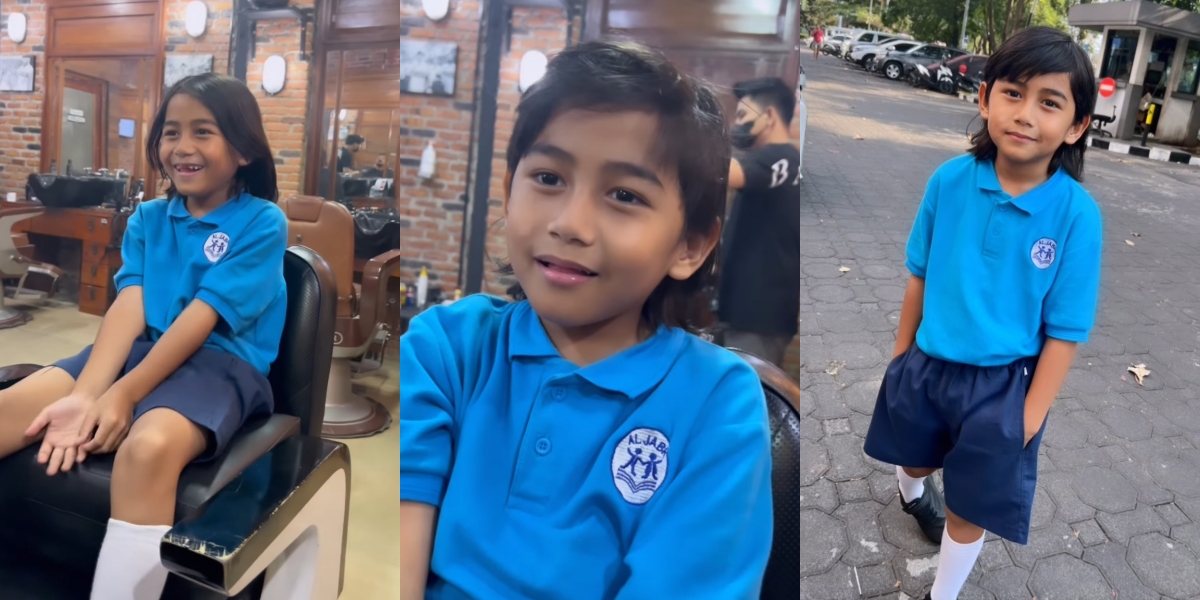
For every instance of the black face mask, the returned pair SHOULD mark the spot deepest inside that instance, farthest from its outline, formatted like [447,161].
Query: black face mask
[740,135]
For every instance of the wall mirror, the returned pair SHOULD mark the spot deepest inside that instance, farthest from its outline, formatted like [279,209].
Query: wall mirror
[100,115]
[360,127]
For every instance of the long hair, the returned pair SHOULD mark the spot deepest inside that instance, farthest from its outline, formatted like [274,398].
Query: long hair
[1028,54]
[240,121]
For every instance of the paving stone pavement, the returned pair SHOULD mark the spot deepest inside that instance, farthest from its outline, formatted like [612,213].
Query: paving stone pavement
[1117,510]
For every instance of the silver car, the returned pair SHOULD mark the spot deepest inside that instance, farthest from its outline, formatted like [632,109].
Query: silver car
[865,54]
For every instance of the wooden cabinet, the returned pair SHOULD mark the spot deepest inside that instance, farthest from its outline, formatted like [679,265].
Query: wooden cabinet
[99,231]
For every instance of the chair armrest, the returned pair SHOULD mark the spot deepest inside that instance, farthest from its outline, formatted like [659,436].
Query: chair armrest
[11,374]
[772,377]
[375,276]
[301,484]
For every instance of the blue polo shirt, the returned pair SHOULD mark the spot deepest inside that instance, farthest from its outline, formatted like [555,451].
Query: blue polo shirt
[1002,273]
[646,475]
[231,259]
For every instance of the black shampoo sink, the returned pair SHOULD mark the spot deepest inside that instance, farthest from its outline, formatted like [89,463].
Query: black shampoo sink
[60,191]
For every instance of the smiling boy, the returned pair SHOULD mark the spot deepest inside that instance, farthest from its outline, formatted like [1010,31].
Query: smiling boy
[1005,263]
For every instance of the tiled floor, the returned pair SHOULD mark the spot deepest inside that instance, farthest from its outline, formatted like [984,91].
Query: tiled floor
[59,330]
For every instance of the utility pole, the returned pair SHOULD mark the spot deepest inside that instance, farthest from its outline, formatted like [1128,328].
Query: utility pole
[962,37]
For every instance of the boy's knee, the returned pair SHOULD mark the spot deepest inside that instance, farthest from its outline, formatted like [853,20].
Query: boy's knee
[144,452]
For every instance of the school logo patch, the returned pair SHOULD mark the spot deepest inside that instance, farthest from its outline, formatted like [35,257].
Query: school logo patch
[1042,253]
[639,464]
[216,246]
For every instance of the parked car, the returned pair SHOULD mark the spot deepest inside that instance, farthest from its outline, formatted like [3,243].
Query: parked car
[870,38]
[864,54]
[833,44]
[948,77]
[898,65]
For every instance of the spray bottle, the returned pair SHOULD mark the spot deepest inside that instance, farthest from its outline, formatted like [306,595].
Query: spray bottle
[422,287]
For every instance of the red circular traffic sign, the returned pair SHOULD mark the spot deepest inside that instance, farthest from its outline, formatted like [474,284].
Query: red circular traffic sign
[1108,86]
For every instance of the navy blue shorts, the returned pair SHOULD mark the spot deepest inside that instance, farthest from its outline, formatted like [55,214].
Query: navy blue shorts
[968,421]
[215,390]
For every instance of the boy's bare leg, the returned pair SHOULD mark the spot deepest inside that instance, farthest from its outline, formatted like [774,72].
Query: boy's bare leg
[21,403]
[961,544]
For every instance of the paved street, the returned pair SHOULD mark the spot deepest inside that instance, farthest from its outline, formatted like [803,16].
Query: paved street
[1117,511]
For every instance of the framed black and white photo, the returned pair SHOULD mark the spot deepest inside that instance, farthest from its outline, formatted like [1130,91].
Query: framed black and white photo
[428,67]
[16,73]
[179,66]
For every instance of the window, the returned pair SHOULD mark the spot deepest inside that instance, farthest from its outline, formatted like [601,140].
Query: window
[905,47]
[1119,49]
[1190,78]
[928,52]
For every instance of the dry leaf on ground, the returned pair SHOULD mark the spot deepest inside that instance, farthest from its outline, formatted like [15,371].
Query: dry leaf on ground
[1127,242]
[844,269]
[1139,372]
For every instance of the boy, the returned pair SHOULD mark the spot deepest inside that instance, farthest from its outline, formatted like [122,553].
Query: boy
[1005,262]
[582,443]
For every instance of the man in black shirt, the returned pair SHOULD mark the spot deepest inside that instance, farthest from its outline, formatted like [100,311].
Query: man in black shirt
[345,161]
[759,297]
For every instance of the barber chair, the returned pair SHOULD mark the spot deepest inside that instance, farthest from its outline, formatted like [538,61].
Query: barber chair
[328,228]
[782,578]
[34,280]
[238,517]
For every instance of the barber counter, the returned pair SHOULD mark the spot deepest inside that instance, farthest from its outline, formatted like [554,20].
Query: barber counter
[96,232]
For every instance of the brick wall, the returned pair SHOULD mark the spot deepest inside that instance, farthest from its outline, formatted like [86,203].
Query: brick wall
[545,30]
[432,210]
[283,113]
[21,112]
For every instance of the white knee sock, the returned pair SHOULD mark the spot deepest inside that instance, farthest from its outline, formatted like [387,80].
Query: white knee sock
[954,566]
[911,488]
[130,565]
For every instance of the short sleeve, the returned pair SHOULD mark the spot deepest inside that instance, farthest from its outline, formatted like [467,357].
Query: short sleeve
[133,252]
[234,286]
[1069,310]
[428,376]
[719,506]
[764,170]
[921,236]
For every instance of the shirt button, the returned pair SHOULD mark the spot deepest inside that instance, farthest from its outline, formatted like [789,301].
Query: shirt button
[995,232]
[558,393]
[542,446]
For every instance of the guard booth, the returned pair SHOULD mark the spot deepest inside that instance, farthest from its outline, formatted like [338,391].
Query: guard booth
[1152,53]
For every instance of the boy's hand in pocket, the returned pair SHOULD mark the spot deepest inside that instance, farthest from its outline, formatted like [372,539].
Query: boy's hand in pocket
[1033,424]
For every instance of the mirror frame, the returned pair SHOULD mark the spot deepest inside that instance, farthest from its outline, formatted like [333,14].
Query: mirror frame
[327,40]
[51,135]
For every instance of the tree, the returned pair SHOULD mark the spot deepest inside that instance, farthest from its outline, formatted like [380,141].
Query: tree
[821,13]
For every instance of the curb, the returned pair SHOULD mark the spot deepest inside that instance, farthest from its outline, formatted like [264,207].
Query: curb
[1159,154]
[972,98]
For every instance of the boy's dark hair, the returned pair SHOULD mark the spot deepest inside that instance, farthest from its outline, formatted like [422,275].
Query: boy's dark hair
[768,92]
[354,138]
[240,121]
[1042,51]
[611,76]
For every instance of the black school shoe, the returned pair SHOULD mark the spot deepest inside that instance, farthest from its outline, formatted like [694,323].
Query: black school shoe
[929,510]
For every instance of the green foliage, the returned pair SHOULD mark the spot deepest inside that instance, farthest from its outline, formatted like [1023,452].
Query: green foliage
[926,20]
[814,13]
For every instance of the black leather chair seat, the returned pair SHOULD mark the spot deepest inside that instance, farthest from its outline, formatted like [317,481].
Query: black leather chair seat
[75,505]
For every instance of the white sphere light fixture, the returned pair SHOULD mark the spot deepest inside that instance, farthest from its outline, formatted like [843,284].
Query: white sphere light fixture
[533,68]
[195,18]
[274,74]
[16,27]
[436,9]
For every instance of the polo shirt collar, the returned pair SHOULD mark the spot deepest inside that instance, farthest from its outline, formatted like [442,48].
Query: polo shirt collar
[1031,201]
[632,372]
[177,209]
